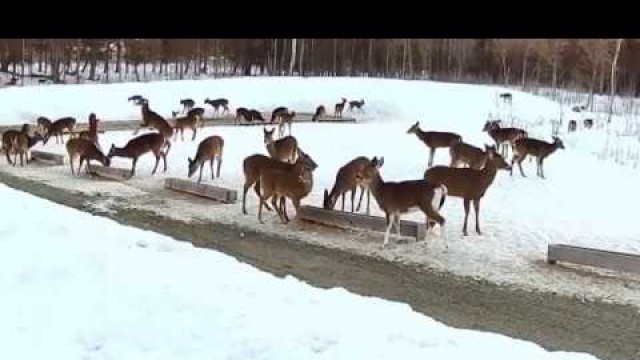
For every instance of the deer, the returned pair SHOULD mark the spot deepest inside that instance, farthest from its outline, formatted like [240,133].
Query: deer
[152,119]
[469,184]
[536,148]
[217,104]
[92,133]
[43,123]
[503,136]
[284,149]
[320,111]
[20,146]
[198,113]
[154,142]
[256,115]
[286,118]
[9,135]
[339,107]
[588,123]
[572,126]
[506,97]
[209,149]
[185,122]
[87,150]
[347,180]
[137,99]
[467,154]
[57,128]
[434,139]
[294,183]
[187,104]
[398,198]
[356,105]
[275,115]
[242,113]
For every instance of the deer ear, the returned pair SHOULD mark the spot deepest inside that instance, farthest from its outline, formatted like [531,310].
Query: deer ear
[381,161]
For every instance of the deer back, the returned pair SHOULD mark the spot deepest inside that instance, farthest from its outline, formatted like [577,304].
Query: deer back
[346,179]
[210,147]
[468,154]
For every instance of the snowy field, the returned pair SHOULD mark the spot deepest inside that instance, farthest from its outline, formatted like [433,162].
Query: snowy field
[73,286]
[586,199]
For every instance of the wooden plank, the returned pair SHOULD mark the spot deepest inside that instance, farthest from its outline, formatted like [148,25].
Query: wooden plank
[594,257]
[228,196]
[359,221]
[112,173]
[57,159]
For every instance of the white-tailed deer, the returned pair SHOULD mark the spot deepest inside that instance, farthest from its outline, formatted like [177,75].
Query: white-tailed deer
[92,133]
[284,149]
[20,146]
[189,121]
[286,118]
[536,148]
[347,180]
[469,184]
[87,151]
[256,115]
[320,111]
[198,113]
[9,136]
[136,147]
[242,113]
[339,108]
[397,198]
[467,154]
[295,183]
[503,136]
[356,105]
[275,114]
[57,128]
[152,119]
[434,139]
[217,104]
[573,125]
[44,124]
[209,149]
[187,104]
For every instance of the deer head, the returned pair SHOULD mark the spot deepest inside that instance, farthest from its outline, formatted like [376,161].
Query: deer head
[495,158]
[268,136]
[414,128]
[193,166]
[557,142]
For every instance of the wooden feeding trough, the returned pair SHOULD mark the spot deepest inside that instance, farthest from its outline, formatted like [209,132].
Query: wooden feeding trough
[593,257]
[228,196]
[57,159]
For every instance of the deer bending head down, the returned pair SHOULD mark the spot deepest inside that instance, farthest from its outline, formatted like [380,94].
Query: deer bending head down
[209,149]
[347,180]
[397,198]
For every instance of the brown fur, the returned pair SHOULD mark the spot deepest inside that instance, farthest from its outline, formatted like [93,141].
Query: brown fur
[188,121]
[339,108]
[320,111]
[141,145]
[468,155]
[347,180]
[503,136]
[536,148]
[286,118]
[57,128]
[284,149]
[434,139]
[87,150]
[209,149]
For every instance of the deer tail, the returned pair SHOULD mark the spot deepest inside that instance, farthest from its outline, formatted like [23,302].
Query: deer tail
[439,197]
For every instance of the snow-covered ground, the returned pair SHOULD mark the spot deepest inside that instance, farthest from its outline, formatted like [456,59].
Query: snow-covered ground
[586,199]
[83,287]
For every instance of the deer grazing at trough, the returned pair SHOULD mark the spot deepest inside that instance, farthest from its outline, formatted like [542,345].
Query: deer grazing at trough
[397,198]
[284,149]
[355,104]
[242,113]
[217,104]
[43,124]
[469,184]
[57,128]
[275,114]
[573,125]
[434,139]
[87,150]
[209,149]
[295,183]
[152,119]
[320,111]
[187,104]
[256,115]
[347,180]
[198,113]
[285,119]
[136,147]
[467,154]
[339,108]
[503,136]
[536,148]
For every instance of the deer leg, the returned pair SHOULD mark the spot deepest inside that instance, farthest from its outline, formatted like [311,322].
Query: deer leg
[164,160]
[432,214]
[15,159]
[283,207]
[541,168]
[133,167]
[466,216]
[386,234]
[262,202]
[342,197]
[80,165]
[157,162]
[219,165]
[398,236]
[8,156]
[193,137]
[431,153]
[211,167]
[368,201]
[71,164]
[361,194]
[353,198]
[256,188]
[201,167]
[520,159]
[274,203]
[476,208]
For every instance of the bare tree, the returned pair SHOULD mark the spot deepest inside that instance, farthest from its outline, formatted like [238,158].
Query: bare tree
[614,64]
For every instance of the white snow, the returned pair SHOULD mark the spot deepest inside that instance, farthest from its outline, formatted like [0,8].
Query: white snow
[82,287]
[586,200]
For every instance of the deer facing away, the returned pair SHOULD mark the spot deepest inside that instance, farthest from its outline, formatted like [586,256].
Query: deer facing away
[536,148]
[209,149]
[434,139]
[347,180]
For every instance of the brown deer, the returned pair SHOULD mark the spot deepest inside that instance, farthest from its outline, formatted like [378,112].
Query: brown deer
[209,149]
[256,115]
[187,104]
[242,113]
[347,180]
[573,125]
[286,118]
[217,104]
[9,135]
[467,154]
[356,105]
[295,184]
[275,114]
[44,124]
[536,148]
[20,146]
[284,149]
[57,128]
[469,184]
[503,136]
[434,139]
[189,121]
[152,119]
[320,111]
[92,133]
[506,97]
[339,108]
[397,198]
[198,113]
[154,142]
[87,151]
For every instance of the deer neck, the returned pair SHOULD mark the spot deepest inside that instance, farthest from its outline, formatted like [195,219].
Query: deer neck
[376,186]
[271,149]
[489,173]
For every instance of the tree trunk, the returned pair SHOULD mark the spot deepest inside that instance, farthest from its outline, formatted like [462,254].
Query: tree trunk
[294,43]
[386,59]
[524,69]
[404,56]
[335,56]
[614,64]
[118,57]
[300,61]
[370,58]
[592,85]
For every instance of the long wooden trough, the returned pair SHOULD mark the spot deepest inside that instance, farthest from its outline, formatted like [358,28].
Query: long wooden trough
[228,196]
[599,258]
[48,157]
[112,173]
[359,221]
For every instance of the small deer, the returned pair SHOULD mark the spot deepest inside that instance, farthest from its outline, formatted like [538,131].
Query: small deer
[285,119]
[339,108]
[256,115]
[92,133]
[397,198]
[506,97]
[294,184]
[469,184]
[536,148]
[20,146]
[87,151]
[320,111]
[356,105]
[347,180]
[187,104]
[588,123]
[284,149]
[154,142]
[57,128]
[503,136]
[198,113]
[434,139]
[209,149]
[275,115]
[468,155]
[242,113]
[189,121]
[252,167]
[9,135]
[217,104]
[152,119]
[573,125]
[43,124]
